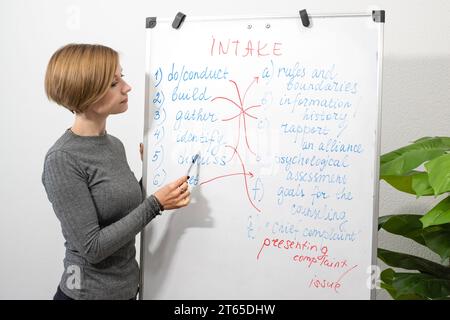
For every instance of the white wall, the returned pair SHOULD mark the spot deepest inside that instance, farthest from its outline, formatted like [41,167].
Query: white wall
[415,104]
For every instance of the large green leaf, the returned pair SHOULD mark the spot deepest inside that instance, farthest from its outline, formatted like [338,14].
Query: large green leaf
[414,286]
[410,262]
[405,159]
[387,277]
[408,161]
[423,139]
[440,214]
[421,284]
[439,174]
[413,182]
[422,143]
[437,238]
[383,219]
[421,185]
[401,183]
[407,225]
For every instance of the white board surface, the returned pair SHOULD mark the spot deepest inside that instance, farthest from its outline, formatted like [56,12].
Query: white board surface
[285,120]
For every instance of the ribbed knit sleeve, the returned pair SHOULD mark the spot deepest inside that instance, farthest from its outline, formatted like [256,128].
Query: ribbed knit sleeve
[67,189]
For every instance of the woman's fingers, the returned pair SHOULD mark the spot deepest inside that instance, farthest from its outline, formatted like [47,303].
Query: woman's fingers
[183,187]
[175,194]
[183,195]
[185,201]
[177,183]
[178,189]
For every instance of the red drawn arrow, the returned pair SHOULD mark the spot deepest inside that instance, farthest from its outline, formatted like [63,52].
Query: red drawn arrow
[228,175]
[244,173]
[242,112]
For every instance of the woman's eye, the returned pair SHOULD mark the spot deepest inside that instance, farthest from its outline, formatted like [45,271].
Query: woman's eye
[115,83]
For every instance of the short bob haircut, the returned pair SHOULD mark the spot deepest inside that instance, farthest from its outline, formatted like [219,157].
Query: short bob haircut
[79,75]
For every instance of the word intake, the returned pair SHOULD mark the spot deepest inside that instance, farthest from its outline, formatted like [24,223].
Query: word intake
[249,48]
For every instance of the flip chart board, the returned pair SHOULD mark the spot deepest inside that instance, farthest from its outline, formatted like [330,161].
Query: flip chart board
[285,122]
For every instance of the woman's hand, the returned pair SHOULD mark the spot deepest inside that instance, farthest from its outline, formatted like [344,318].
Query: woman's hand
[174,195]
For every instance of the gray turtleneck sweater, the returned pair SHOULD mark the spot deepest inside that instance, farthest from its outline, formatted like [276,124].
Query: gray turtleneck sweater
[101,208]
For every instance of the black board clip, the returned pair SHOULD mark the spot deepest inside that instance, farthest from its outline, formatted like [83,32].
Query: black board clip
[304,17]
[378,16]
[178,20]
[150,22]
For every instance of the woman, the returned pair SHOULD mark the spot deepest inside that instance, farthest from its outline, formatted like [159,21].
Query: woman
[94,194]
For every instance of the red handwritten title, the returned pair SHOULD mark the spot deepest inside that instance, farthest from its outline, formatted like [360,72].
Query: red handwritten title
[249,48]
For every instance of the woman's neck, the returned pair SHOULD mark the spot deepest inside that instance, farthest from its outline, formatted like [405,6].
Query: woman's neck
[88,125]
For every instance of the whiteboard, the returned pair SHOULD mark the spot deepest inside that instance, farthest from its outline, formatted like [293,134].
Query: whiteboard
[285,120]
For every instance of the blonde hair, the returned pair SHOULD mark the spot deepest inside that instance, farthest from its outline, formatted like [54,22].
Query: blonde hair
[79,75]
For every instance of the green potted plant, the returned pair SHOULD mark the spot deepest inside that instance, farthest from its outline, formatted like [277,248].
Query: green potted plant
[401,169]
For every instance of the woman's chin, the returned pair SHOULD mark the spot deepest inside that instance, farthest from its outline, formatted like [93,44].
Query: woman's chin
[122,109]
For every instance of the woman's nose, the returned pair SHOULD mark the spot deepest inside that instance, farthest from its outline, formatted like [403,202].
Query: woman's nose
[126,88]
